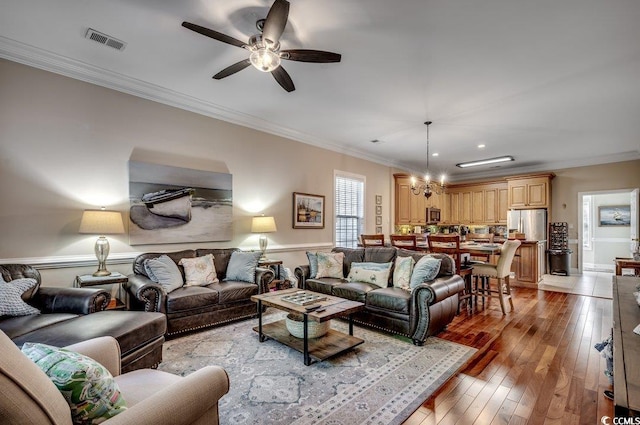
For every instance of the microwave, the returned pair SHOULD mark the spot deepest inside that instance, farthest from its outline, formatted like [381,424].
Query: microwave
[433,215]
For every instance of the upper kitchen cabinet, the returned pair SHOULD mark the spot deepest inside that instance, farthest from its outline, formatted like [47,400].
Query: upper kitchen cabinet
[409,208]
[533,191]
[476,203]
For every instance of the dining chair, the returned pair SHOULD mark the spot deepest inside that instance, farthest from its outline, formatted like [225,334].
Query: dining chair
[499,272]
[450,245]
[404,241]
[372,240]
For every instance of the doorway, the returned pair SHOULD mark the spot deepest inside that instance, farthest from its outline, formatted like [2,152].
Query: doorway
[609,223]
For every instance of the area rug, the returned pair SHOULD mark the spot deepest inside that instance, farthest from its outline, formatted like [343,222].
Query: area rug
[382,381]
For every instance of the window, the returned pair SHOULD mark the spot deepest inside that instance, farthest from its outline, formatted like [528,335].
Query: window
[586,222]
[349,209]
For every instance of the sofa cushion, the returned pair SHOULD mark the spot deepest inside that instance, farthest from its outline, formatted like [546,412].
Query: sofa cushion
[165,272]
[425,270]
[447,266]
[199,271]
[221,257]
[330,264]
[402,272]
[92,393]
[20,325]
[350,255]
[380,254]
[11,302]
[138,263]
[232,291]
[324,285]
[389,299]
[376,273]
[190,298]
[9,272]
[242,266]
[355,291]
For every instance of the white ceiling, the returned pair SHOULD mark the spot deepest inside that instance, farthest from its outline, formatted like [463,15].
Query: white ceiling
[555,83]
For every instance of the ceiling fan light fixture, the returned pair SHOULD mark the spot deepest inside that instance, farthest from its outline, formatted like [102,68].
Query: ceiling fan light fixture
[264,59]
[506,158]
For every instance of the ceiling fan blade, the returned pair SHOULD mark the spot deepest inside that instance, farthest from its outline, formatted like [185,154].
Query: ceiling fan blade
[283,78]
[305,55]
[276,20]
[230,70]
[214,34]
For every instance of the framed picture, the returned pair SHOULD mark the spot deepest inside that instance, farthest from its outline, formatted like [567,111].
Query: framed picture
[378,220]
[379,229]
[308,211]
[378,209]
[614,215]
[378,199]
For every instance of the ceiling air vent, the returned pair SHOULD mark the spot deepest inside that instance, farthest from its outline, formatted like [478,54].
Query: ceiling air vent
[105,39]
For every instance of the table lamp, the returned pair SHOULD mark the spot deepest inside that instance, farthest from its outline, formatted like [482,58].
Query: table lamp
[101,222]
[262,224]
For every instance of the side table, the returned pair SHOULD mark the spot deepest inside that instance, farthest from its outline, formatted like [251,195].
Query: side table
[114,278]
[277,283]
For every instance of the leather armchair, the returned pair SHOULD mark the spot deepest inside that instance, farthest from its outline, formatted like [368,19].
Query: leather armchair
[28,396]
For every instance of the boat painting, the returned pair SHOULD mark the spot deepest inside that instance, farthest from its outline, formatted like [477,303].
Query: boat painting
[178,205]
[614,215]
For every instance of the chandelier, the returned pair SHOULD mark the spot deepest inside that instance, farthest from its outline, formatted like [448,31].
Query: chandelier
[427,188]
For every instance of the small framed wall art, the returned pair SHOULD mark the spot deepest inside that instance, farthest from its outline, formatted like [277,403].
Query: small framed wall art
[379,229]
[378,220]
[378,209]
[378,199]
[614,215]
[308,211]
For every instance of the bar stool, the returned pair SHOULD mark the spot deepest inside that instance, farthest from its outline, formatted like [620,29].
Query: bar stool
[500,272]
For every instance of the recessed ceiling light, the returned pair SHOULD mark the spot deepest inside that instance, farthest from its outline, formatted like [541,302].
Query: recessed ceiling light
[485,161]
[435,154]
[481,146]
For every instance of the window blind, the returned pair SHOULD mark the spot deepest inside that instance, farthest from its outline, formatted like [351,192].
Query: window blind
[349,216]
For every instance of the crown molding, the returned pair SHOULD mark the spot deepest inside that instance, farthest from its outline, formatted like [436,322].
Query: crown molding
[48,61]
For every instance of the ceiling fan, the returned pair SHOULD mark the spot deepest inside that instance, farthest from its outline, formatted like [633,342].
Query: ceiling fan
[265,47]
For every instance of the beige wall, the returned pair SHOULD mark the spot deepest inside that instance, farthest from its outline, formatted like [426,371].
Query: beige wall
[65,147]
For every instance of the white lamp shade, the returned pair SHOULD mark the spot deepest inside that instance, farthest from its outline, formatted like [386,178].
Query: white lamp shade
[101,222]
[263,224]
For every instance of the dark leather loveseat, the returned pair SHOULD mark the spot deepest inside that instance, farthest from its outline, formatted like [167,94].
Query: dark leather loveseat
[71,315]
[192,307]
[425,311]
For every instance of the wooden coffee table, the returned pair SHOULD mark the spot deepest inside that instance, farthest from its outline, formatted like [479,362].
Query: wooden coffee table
[313,349]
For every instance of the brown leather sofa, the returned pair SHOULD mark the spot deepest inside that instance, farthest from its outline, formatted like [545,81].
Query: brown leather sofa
[71,315]
[425,311]
[192,307]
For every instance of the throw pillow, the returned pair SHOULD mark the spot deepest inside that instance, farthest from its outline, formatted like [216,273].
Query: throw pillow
[402,272]
[426,269]
[164,272]
[199,271]
[11,302]
[375,273]
[313,264]
[92,393]
[242,266]
[330,264]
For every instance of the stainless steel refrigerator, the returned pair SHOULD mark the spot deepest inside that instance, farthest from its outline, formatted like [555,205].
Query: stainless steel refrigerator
[533,223]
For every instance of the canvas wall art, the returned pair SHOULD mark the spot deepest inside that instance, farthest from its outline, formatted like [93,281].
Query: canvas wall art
[308,211]
[614,215]
[178,205]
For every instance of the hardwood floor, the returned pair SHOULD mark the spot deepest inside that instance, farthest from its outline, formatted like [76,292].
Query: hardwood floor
[536,365]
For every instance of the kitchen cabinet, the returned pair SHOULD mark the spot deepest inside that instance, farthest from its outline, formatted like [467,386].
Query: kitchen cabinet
[478,203]
[529,191]
[529,263]
[410,209]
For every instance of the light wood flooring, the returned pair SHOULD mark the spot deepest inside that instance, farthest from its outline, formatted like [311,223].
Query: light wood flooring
[536,365]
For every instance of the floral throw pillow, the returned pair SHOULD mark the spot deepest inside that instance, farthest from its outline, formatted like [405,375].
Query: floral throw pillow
[199,271]
[402,272]
[330,264]
[92,393]
[375,273]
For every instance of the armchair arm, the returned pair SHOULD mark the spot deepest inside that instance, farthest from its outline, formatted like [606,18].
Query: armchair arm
[145,294]
[71,300]
[184,402]
[302,273]
[105,350]
[264,276]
